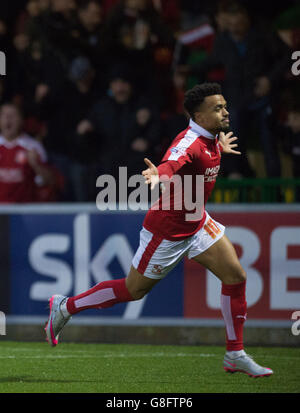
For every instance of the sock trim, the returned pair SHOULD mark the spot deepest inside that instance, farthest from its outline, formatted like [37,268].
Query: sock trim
[226,311]
[97,297]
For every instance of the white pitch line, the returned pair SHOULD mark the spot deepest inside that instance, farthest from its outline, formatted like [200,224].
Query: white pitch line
[120,355]
[126,355]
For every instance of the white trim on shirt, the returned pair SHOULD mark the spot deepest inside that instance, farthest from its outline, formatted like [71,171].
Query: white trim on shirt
[27,142]
[181,147]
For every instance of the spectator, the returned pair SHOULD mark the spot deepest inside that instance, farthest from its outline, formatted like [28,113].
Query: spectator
[89,32]
[250,74]
[135,33]
[53,29]
[37,78]
[174,119]
[293,125]
[291,140]
[21,39]
[62,96]
[22,160]
[169,11]
[126,124]
[36,74]
[74,154]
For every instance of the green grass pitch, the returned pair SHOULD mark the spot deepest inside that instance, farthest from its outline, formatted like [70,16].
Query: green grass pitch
[119,368]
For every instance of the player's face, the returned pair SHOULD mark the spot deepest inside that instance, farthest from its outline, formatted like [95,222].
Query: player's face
[213,115]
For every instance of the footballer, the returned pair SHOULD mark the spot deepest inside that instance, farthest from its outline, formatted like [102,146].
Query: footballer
[167,236]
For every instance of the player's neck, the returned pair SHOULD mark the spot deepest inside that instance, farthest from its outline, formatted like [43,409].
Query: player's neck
[202,130]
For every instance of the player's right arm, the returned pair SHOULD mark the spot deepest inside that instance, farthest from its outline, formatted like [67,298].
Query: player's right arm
[153,175]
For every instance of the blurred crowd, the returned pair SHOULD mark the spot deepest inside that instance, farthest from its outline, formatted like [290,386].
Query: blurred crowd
[92,85]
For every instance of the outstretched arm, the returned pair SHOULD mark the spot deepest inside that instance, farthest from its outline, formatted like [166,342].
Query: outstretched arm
[164,172]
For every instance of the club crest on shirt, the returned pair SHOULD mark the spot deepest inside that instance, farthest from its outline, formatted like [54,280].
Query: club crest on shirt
[177,150]
[157,269]
[21,157]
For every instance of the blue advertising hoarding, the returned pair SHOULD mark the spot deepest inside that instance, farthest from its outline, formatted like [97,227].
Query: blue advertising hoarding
[69,253]
[66,249]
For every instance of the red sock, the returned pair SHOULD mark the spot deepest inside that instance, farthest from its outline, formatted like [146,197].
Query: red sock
[234,310]
[102,295]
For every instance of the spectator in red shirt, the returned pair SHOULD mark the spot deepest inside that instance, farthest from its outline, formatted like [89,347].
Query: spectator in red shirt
[23,166]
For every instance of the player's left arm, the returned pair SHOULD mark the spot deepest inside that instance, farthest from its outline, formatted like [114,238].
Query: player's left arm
[226,143]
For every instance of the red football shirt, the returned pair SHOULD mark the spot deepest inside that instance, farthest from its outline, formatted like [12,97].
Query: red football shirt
[17,178]
[193,152]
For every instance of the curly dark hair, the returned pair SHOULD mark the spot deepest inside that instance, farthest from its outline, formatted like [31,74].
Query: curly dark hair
[195,96]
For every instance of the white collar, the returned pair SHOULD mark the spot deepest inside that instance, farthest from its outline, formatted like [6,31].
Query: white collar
[200,131]
[15,142]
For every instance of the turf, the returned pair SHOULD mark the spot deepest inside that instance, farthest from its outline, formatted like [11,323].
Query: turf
[119,368]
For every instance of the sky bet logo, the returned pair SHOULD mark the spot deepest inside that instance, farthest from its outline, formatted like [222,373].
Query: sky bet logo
[2,64]
[47,254]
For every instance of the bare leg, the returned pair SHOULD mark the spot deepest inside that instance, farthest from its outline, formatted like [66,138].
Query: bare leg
[138,285]
[221,259]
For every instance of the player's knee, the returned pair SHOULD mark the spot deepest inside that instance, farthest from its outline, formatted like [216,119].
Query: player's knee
[240,275]
[236,276]
[137,294]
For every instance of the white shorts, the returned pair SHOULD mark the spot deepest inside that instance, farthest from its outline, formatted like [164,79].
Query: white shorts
[156,256]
